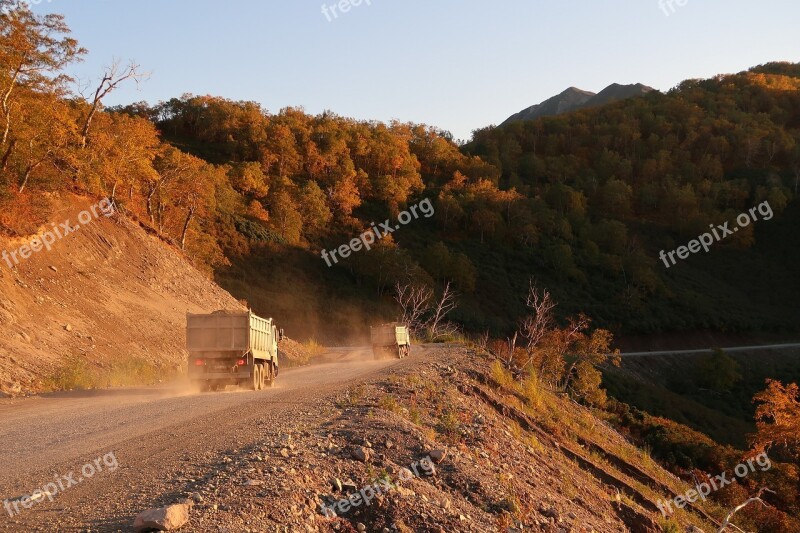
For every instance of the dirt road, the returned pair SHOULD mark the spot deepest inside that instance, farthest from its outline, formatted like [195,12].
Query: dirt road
[153,434]
[732,349]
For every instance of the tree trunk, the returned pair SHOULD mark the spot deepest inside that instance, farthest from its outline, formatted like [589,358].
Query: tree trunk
[160,213]
[7,113]
[88,123]
[8,153]
[149,204]
[114,192]
[568,376]
[189,217]
[6,107]
[27,176]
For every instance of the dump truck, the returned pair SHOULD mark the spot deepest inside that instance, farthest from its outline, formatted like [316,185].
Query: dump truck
[232,348]
[392,340]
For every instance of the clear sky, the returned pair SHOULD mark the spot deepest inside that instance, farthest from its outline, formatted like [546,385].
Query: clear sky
[455,64]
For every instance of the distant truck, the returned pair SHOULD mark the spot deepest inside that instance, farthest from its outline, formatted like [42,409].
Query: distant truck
[232,348]
[391,340]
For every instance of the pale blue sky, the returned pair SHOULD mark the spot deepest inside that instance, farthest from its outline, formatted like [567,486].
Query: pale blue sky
[455,64]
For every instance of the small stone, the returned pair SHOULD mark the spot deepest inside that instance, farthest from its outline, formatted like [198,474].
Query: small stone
[360,454]
[404,492]
[549,512]
[437,456]
[68,327]
[361,527]
[285,453]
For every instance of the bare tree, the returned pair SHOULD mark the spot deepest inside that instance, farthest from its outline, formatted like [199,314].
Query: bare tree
[535,326]
[414,301]
[422,311]
[446,304]
[755,499]
[112,78]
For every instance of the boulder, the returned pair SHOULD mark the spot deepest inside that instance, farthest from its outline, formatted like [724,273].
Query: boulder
[170,518]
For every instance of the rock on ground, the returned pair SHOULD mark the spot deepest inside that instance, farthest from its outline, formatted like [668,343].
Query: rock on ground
[168,518]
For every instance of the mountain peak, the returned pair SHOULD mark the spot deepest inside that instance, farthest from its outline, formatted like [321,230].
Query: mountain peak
[574,98]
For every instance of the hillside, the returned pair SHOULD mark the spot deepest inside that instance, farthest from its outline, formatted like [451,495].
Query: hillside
[584,202]
[105,306]
[587,202]
[709,395]
[574,99]
[635,178]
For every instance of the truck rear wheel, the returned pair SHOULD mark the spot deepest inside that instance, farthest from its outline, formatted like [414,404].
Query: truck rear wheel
[257,377]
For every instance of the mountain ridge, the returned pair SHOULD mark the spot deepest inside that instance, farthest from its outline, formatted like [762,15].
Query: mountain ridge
[574,99]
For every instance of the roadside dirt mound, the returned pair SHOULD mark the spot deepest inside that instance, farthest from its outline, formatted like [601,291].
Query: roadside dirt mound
[104,294]
[436,445]
[291,353]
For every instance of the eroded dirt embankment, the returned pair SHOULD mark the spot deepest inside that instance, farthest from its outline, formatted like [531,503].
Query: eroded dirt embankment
[104,294]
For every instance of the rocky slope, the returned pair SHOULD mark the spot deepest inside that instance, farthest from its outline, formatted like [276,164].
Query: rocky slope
[434,445]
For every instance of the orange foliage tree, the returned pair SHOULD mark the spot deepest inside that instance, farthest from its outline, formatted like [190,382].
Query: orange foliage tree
[778,418]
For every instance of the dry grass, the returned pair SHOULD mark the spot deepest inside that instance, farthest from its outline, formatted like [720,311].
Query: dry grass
[79,374]
[501,376]
[313,349]
[389,403]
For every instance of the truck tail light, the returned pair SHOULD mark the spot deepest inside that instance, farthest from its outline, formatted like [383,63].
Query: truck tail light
[241,362]
[199,362]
